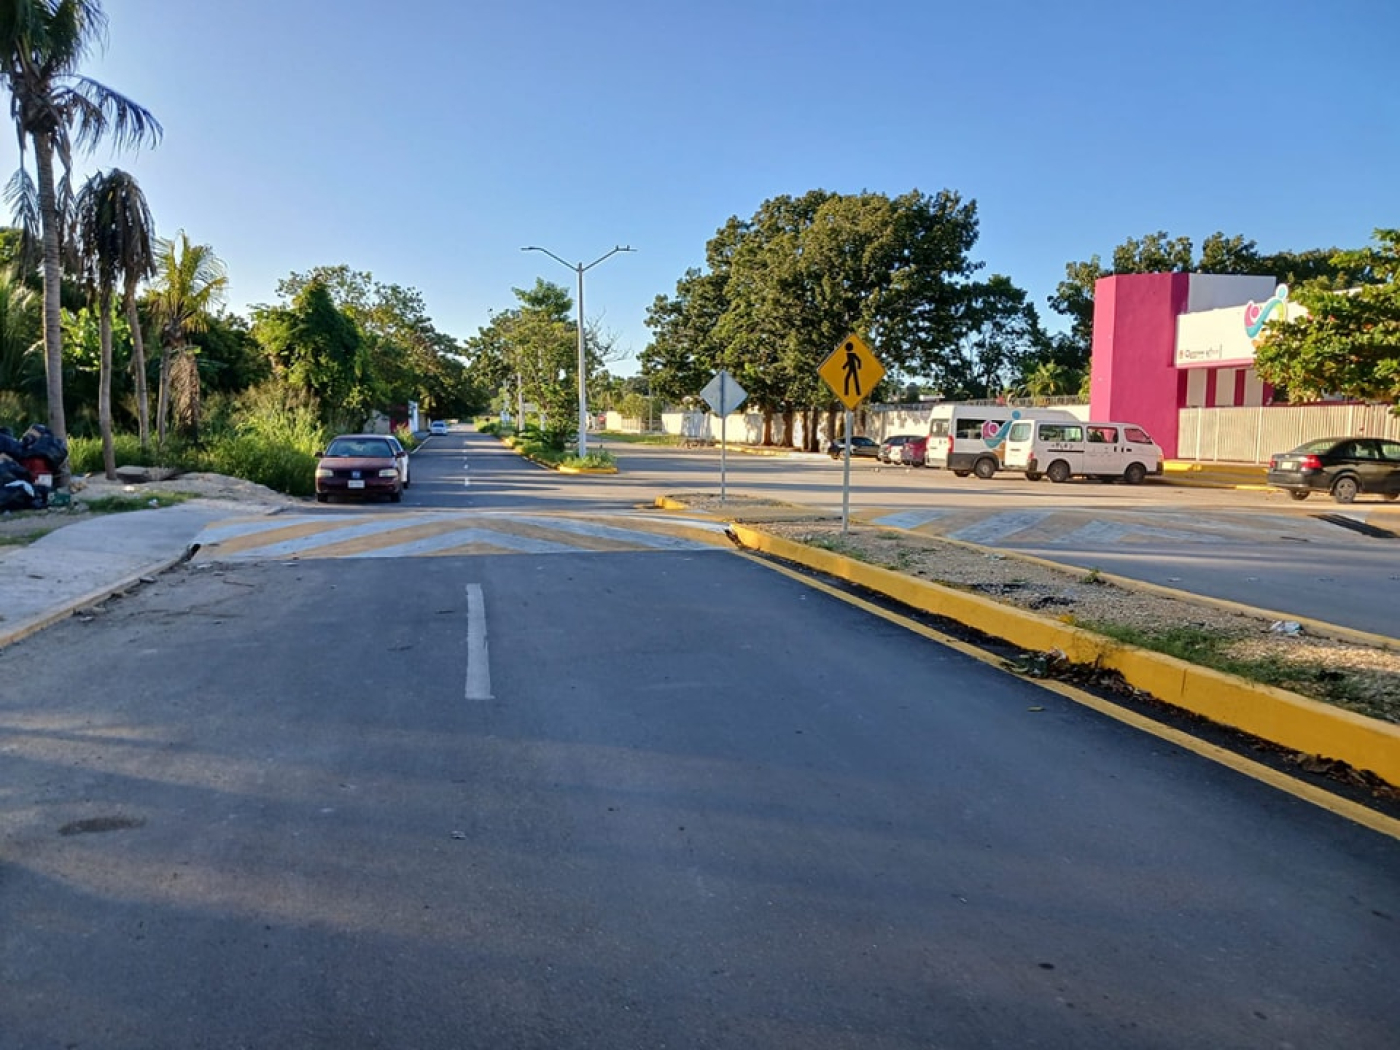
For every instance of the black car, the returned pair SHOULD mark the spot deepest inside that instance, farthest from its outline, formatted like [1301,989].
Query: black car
[1343,466]
[860,446]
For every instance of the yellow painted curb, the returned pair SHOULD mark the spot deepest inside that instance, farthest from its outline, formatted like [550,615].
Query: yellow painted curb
[586,470]
[1275,715]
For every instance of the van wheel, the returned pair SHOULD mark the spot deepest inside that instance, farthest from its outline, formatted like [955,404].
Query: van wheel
[985,468]
[1135,473]
[1058,471]
[1032,475]
[1344,489]
[961,473]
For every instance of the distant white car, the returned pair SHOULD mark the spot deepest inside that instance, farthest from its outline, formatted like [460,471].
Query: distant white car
[438,426]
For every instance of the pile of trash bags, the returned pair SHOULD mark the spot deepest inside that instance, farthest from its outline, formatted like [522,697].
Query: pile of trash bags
[30,467]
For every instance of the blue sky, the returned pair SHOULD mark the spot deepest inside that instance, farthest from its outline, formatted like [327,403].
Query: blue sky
[427,141]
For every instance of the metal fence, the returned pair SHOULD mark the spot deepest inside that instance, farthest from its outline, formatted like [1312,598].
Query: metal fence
[1251,435]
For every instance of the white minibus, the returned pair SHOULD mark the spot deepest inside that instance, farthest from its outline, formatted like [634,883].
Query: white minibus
[1059,450]
[970,439]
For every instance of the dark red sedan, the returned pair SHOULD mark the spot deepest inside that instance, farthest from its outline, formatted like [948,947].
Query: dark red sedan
[362,465]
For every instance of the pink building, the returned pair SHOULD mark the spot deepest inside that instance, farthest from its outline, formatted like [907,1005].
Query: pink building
[1168,341]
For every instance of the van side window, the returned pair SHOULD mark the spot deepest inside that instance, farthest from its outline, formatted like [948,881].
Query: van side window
[970,428]
[1019,431]
[1061,432]
[1104,435]
[1136,434]
[938,428]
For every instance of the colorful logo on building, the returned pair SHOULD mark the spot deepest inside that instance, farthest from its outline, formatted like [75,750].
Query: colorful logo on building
[1256,315]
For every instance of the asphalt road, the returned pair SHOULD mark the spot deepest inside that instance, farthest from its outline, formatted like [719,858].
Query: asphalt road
[632,800]
[1257,548]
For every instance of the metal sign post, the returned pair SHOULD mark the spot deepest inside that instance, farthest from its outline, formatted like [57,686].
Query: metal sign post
[723,395]
[846,476]
[852,371]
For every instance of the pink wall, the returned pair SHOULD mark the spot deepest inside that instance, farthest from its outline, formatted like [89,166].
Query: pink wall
[1134,378]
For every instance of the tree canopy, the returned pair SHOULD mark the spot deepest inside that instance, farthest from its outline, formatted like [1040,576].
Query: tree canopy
[782,288]
[1348,342]
[1161,253]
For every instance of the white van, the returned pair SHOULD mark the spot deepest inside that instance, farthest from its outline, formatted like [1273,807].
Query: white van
[1060,450]
[970,439]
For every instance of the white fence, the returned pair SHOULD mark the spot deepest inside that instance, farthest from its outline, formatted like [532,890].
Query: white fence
[1251,435]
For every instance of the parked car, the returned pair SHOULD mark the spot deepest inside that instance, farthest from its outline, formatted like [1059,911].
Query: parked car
[1343,466]
[362,465]
[915,452]
[860,446]
[892,448]
[1061,450]
[438,427]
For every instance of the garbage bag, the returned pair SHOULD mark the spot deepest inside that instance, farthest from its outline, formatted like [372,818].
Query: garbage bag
[18,495]
[40,441]
[12,471]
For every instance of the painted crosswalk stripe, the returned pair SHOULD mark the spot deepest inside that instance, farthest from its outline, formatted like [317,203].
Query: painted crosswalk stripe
[478,654]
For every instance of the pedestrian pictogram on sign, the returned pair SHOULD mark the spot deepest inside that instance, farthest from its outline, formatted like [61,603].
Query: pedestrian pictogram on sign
[851,371]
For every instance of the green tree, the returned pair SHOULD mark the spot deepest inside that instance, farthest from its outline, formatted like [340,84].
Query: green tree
[1002,337]
[114,227]
[21,350]
[782,289]
[409,359]
[55,108]
[1348,343]
[1159,253]
[188,287]
[316,349]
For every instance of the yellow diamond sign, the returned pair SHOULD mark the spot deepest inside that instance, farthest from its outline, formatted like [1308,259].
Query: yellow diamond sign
[851,371]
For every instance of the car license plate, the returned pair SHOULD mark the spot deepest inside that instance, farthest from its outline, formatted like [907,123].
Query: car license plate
[355,484]
[1287,464]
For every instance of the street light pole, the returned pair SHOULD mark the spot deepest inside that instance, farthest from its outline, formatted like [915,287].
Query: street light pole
[580,269]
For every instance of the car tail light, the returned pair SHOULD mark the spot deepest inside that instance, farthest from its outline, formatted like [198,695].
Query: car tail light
[950,445]
[1310,463]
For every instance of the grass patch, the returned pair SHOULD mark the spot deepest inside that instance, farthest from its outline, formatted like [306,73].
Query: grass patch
[598,459]
[840,546]
[23,539]
[1211,649]
[145,501]
[641,439]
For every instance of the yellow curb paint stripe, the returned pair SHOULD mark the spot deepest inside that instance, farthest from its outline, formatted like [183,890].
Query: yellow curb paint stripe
[1281,717]
[1264,774]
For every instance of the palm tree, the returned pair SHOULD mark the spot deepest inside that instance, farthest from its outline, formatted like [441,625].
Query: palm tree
[113,231]
[189,285]
[116,235]
[42,43]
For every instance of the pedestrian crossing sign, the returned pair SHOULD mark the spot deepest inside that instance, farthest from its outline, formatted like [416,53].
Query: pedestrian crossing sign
[851,371]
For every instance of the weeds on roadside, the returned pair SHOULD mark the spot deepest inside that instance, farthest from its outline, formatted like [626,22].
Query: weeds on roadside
[1212,649]
[145,501]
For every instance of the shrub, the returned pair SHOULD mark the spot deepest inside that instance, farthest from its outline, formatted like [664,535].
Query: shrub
[255,458]
[407,438]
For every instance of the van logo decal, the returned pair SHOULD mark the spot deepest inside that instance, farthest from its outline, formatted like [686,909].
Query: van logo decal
[993,434]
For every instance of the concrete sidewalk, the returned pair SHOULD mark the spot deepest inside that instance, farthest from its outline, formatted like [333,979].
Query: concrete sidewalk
[81,564]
